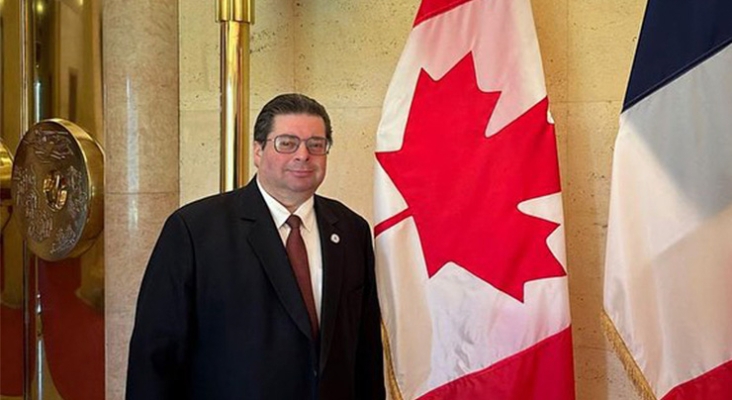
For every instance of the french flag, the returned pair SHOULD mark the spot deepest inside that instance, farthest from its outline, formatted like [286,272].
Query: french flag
[668,270]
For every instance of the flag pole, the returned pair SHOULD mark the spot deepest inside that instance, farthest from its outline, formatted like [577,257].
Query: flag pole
[235,17]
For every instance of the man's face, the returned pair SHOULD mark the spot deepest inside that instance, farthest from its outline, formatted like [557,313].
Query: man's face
[291,178]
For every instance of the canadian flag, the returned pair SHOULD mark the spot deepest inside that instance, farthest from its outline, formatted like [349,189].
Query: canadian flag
[469,225]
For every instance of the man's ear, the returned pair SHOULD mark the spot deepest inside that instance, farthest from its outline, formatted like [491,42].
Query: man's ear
[257,152]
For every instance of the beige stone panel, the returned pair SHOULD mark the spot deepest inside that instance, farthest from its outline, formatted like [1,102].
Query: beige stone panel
[587,331]
[141,36]
[132,226]
[115,394]
[599,375]
[592,130]
[272,52]
[585,256]
[350,176]
[141,96]
[590,376]
[346,51]
[560,112]
[199,161]
[118,331]
[199,55]
[142,147]
[140,49]
[602,41]
[551,19]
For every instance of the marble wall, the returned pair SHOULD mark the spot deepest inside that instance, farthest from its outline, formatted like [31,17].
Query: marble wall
[140,62]
[343,53]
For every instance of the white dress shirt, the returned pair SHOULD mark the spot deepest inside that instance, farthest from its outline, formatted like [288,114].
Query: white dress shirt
[310,235]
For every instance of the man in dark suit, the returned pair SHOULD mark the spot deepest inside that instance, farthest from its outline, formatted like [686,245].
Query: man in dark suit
[241,300]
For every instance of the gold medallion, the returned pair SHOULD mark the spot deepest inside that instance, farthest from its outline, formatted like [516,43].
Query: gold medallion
[58,189]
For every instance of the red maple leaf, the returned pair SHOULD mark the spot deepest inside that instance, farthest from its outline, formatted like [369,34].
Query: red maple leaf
[463,188]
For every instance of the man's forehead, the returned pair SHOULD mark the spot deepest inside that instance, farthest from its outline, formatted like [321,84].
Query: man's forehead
[303,115]
[282,122]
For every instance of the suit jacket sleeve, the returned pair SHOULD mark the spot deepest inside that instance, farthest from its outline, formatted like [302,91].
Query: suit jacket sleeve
[159,351]
[369,355]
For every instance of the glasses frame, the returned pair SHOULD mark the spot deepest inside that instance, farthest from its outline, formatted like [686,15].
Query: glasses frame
[275,141]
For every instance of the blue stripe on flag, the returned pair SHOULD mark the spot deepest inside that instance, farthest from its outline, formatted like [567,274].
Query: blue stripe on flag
[676,36]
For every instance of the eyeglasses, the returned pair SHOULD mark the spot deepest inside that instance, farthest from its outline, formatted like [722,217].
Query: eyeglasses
[288,144]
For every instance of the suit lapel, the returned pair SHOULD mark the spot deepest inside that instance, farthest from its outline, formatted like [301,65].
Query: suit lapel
[333,258]
[267,245]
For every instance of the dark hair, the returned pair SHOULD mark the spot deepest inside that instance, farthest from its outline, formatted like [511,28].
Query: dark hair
[289,103]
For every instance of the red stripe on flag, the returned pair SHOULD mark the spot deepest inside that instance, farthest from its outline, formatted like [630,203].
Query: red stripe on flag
[431,8]
[391,221]
[713,385]
[541,372]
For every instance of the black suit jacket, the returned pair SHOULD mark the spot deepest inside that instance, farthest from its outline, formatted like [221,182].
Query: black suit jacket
[220,315]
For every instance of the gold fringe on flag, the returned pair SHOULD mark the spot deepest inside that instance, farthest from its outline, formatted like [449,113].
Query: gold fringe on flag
[392,384]
[631,367]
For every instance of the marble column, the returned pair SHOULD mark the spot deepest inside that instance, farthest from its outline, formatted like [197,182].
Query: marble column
[140,60]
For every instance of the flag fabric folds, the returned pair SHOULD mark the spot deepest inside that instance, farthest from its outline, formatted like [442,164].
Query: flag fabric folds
[668,265]
[469,226]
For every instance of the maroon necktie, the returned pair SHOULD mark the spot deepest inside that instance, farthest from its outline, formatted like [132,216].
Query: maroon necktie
[298,256]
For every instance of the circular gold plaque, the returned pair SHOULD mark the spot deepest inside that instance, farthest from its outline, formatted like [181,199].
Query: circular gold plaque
[58,190]
[6,165]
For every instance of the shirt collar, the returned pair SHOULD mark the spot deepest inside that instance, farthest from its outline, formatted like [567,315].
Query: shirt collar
[280,213]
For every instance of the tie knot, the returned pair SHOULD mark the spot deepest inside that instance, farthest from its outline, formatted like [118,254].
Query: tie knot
[294,222]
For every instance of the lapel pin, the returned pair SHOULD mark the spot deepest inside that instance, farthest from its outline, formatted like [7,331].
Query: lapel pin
[335,238]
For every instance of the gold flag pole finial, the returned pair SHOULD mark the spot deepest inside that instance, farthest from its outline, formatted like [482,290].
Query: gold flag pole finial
[235,10]
[235,17]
